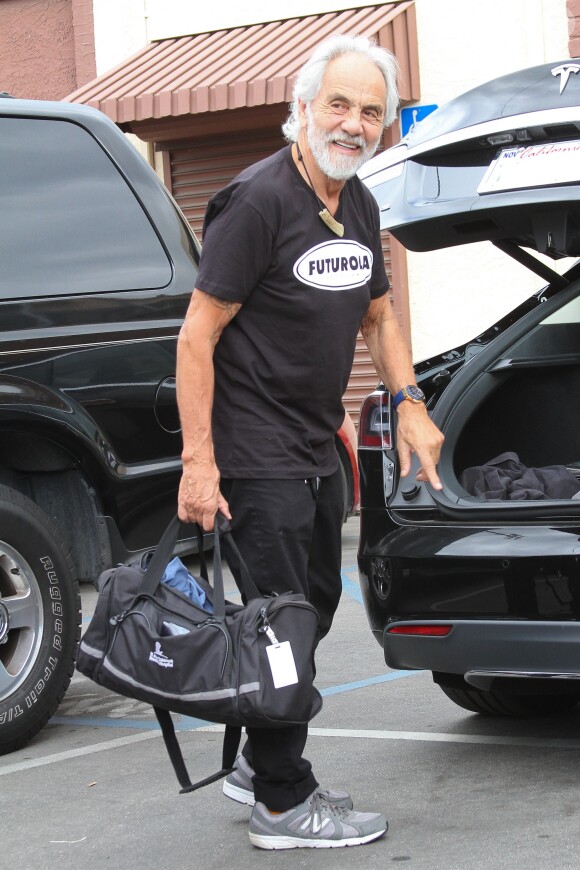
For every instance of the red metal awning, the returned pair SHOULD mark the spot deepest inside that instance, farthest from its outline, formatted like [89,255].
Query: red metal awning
[242,67]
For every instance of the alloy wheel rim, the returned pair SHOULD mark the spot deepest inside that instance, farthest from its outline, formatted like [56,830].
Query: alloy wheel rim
[21,620]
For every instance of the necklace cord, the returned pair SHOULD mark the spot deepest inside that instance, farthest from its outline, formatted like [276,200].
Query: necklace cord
[303,162]
[333,225]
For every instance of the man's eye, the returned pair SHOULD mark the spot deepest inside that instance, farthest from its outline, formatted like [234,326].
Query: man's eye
[339,108]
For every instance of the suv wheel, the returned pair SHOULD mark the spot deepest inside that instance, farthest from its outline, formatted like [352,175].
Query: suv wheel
[39,619]
[506,703]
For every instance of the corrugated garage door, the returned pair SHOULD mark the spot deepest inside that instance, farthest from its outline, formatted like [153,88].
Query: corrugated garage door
[199,170]
[364,378]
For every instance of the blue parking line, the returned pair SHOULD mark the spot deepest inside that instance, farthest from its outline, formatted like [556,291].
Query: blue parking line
[103,722]
[187,723]
[181,723]
[350,588]
[372,681]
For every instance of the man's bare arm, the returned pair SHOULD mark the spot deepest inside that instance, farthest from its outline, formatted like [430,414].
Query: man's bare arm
[199,497]
[415,431]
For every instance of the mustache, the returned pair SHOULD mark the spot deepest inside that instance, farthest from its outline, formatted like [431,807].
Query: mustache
[346,138]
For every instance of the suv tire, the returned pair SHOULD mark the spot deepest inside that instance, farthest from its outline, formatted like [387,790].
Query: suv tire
[39,619]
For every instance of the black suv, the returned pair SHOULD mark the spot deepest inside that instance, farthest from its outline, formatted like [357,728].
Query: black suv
[480,583]
[97,265]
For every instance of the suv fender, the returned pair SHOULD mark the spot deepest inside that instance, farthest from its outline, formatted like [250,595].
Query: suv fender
[24,404]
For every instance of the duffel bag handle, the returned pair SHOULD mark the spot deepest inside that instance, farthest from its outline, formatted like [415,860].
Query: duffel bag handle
[162,555]
[235,560]
[164,551]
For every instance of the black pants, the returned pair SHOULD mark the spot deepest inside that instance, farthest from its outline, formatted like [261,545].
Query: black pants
[289,534]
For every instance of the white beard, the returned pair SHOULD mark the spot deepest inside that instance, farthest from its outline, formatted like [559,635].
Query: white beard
[339,167]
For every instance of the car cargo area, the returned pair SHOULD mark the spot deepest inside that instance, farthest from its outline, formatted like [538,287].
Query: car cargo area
[524,416]
[532,413]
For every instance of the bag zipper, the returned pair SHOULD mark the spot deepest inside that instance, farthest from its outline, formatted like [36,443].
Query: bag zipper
[266,627]
[115,622]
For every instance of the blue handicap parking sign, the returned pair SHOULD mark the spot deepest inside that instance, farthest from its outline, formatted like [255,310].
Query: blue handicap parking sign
[413,114]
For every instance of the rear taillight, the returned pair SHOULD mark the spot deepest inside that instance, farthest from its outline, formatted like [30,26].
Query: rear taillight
[375,421]
[421,630]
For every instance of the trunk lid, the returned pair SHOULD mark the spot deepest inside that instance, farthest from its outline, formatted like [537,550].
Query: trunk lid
[498,163]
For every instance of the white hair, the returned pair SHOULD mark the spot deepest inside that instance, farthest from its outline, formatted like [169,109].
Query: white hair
[309,79]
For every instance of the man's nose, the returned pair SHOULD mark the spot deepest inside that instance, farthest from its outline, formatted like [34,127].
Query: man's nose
[352,122]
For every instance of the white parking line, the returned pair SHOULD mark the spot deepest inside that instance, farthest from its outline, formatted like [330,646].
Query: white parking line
[358,734]
[77,753]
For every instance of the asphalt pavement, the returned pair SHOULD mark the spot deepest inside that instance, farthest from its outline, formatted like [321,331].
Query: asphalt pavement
[462,792]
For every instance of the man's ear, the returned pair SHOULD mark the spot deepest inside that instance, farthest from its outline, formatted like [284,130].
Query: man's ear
[302,106]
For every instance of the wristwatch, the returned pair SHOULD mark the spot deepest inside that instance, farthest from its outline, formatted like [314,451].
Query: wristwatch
[411,392]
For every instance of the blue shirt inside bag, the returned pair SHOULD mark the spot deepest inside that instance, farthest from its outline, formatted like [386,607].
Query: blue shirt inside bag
[178,577]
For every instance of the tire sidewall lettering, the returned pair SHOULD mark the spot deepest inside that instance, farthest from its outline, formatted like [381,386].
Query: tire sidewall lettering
[59,603]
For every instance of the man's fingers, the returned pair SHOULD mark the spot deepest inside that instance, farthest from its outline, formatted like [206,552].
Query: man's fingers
[428,474]
[204,518]
[199,497]
[416,433]
[207,521]
[404,452]
[202,512]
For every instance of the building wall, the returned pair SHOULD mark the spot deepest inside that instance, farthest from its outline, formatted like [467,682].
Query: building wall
[174,17]
[36,37]
[121,29]
[573,7]
[46,47]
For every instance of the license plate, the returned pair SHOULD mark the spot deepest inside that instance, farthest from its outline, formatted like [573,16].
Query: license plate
[533,166]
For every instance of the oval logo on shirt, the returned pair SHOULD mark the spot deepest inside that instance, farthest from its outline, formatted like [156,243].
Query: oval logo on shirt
[339,265]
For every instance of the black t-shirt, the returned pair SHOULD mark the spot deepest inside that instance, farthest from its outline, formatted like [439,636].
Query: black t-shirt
[283,363]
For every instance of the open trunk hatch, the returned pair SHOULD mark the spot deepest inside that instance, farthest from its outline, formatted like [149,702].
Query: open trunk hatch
[499,163]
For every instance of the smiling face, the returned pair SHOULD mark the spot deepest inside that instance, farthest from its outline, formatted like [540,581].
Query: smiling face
[343,124]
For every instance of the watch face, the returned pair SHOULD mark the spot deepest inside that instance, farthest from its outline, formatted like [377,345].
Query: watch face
[415,393]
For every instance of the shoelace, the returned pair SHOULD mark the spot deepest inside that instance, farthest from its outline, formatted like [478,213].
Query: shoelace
[318,805]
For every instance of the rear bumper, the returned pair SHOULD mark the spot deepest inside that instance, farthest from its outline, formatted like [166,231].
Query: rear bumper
[484,649]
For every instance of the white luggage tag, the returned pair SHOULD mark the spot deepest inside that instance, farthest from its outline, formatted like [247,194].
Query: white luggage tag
[281,659]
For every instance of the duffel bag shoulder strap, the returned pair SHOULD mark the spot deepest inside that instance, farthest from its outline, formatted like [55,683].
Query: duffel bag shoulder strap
[232,737]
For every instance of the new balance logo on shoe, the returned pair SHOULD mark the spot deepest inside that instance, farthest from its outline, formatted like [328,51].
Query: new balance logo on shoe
[159,657]
[315,824]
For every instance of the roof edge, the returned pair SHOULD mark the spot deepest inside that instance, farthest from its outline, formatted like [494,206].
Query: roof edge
[242,67]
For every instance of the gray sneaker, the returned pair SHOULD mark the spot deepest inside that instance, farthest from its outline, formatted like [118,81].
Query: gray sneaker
[239,787]
[314,824]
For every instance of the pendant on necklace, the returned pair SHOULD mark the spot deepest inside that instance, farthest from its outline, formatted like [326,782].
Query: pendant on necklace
[332,224]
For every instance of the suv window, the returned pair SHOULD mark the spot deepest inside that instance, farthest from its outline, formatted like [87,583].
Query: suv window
[57,168]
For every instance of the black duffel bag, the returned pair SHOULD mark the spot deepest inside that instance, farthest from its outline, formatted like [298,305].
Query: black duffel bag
[240,665]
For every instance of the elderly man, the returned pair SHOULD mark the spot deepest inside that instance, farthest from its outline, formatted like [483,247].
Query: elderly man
[291,268]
